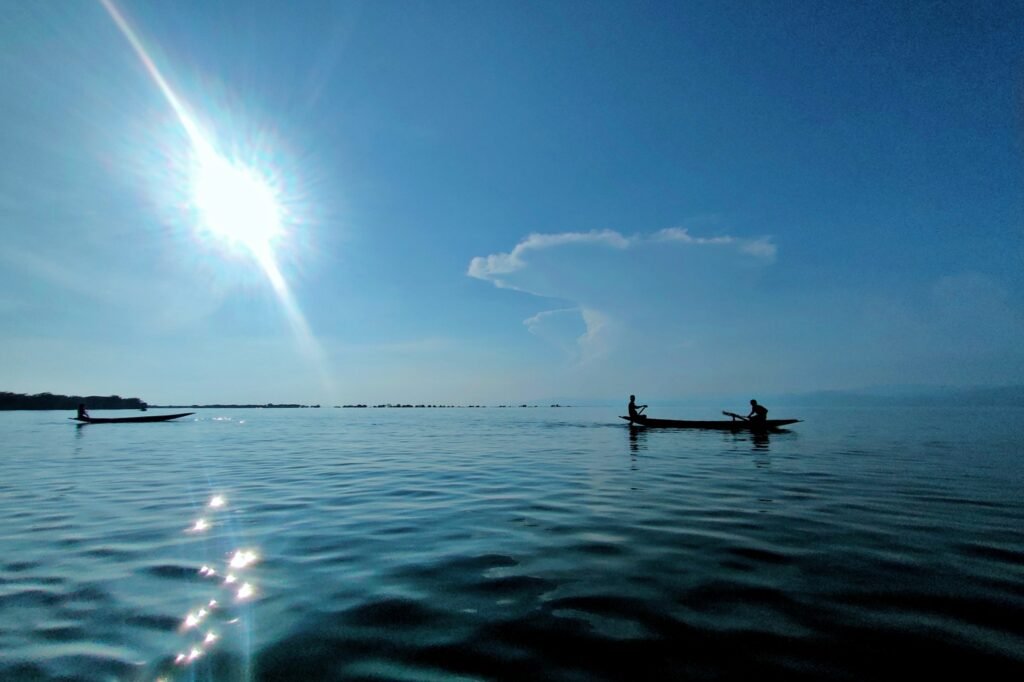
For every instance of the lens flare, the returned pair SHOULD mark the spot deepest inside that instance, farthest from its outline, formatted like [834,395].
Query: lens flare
[235,203]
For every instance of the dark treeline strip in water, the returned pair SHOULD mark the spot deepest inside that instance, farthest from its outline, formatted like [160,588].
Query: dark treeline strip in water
[50,401]
[221,406]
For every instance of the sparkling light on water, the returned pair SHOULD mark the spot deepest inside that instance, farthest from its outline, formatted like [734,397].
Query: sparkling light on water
[238,561]
[243,558]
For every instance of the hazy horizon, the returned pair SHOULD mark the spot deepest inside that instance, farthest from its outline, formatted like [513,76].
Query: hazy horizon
[485,203]
[988,395]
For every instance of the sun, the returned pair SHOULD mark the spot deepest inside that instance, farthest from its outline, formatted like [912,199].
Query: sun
[235,203]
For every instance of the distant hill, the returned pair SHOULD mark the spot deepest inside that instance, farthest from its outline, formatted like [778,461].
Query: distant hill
[51,401]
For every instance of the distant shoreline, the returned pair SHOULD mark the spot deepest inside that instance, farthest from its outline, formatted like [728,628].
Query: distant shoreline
[221,406]
[52,401]
[359,406]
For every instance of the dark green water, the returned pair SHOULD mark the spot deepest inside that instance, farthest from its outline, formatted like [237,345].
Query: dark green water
[510,544]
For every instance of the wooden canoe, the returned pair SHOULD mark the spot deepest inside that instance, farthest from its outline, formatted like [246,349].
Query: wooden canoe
[721,424]
[130,420]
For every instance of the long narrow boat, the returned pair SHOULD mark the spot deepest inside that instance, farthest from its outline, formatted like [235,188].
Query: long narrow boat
[130,420]
[721,424]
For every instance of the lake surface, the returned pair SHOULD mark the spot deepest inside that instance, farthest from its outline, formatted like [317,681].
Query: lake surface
[429,544]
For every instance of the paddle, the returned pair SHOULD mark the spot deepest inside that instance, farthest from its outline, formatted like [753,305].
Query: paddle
[735,416]
[639,416]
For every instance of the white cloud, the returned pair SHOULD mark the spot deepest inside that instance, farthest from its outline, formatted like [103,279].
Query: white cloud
[761,247]
[677,312]
[622,291]
[536,323]
[561,328]
[583,334]
[486,267]
[681,234]
[493,266]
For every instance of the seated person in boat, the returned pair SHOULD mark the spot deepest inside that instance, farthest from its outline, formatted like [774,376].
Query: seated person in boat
[758,413]
[634,411]
[82,414]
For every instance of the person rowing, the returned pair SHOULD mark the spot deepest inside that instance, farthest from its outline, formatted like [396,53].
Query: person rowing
[634,411]
[758,413]
[82,414]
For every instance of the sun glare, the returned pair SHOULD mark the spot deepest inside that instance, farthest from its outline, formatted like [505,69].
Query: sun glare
[235,203]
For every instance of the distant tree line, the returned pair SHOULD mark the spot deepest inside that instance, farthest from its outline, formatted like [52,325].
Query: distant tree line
[50,401]
[222,406]
[430,406]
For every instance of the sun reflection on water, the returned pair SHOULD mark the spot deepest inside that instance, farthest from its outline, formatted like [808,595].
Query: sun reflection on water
[207,624]
[245,591]
[235,200]
[242,558]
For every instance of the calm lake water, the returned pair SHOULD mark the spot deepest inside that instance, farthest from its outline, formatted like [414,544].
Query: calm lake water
[429,544]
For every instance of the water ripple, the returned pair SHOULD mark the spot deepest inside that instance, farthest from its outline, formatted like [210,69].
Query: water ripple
[507,544]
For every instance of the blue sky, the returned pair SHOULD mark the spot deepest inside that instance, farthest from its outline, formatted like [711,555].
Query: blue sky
[511,201]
